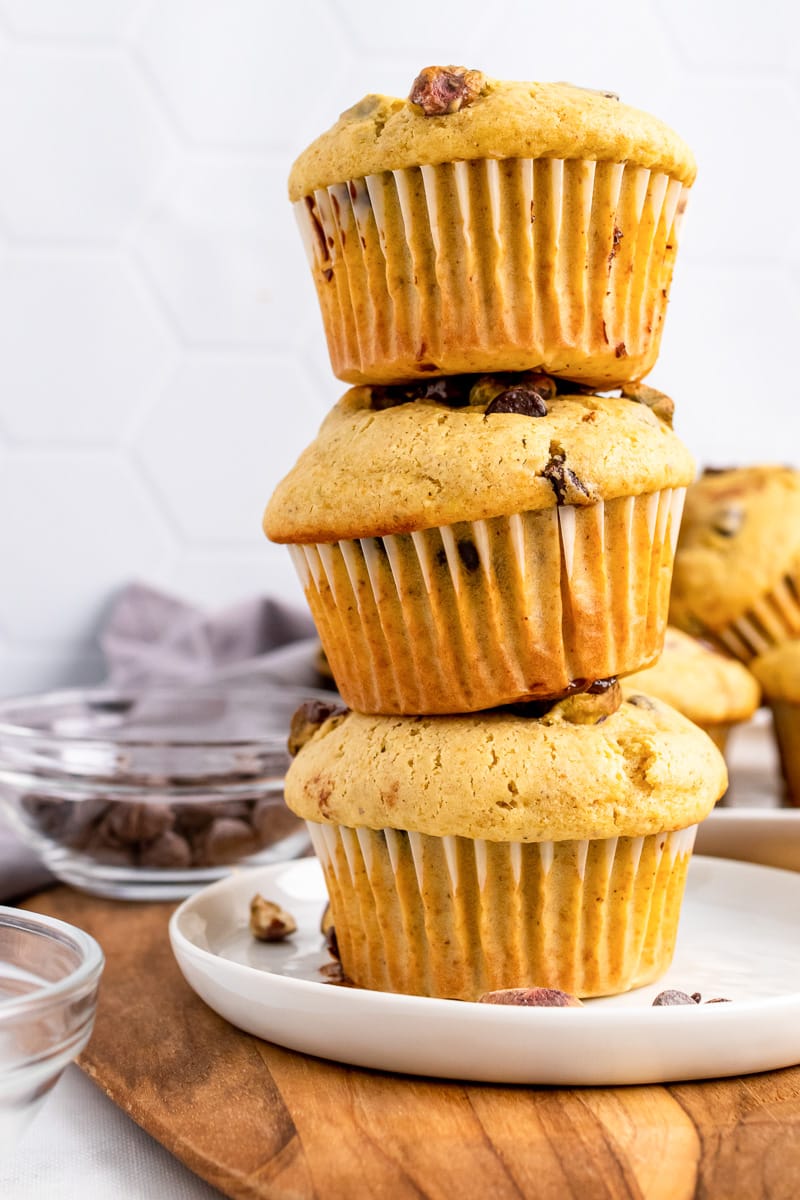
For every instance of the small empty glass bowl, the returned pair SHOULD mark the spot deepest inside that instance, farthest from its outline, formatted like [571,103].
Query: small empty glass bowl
[49,974]
[151,795]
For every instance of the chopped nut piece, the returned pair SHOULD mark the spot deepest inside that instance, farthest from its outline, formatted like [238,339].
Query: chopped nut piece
[307,719]
[662,405]
[589,707]
[535,997]
[442,90]
[719,1000]
[268,921]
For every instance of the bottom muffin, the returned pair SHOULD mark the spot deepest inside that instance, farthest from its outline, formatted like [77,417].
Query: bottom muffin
[536,846]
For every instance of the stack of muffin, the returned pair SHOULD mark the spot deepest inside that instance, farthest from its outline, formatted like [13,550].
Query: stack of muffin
[486,541]
[737,585]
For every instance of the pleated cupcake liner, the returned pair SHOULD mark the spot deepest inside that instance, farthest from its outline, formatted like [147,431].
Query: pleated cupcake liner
[495,265]
[773,619]
[483,613]
[456,917]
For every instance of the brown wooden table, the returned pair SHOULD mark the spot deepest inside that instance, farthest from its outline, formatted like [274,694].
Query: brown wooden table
[259,1121]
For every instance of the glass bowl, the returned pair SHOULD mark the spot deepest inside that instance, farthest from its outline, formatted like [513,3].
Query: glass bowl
[150,795]
[49,975]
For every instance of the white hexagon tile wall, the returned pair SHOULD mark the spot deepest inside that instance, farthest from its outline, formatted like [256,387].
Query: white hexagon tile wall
[161,357]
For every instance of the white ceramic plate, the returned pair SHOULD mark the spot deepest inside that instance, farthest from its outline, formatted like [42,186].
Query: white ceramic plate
[738,939]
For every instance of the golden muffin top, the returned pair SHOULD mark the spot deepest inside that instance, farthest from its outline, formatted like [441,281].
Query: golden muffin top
[464,448]
[778,671]
[704,685]
[739,538]
[582,769]
[455,114]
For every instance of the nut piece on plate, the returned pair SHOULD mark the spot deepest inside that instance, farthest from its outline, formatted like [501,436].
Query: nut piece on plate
[534,997]
[442,90]
[673,996]
[268,921]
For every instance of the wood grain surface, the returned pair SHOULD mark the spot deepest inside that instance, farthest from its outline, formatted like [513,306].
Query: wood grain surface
[260,1122]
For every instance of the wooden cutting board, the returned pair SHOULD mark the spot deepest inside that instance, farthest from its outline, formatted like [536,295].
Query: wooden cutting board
[257,1121]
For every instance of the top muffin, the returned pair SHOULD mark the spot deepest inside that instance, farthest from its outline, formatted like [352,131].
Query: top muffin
[489,226]
[494,119]
[737,567]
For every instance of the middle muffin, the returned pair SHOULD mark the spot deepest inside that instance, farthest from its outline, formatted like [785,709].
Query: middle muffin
[475,541]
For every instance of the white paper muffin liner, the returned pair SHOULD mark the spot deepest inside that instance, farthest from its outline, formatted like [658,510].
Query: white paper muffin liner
[495,265]
[456,917]
[773,619]
[482,613]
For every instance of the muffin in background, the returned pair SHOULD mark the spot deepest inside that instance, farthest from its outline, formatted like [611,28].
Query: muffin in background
[474,541]
[545,845]
[711,689]
[482,225]
[736,580]
[778,672]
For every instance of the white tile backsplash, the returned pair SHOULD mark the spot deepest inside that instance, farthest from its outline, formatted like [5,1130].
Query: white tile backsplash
[81,143]
[162,361]
[107,347]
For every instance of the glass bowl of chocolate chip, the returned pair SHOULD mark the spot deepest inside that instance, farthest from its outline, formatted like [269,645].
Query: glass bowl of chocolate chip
[152,794]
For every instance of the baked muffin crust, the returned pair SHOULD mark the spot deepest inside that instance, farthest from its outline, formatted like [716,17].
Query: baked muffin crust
[416,465]
[506,120]
[504,777]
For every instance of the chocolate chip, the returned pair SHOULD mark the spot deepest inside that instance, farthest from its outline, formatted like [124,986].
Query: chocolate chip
[332,943]
[531,710]
[672,996]
[156,834]
[602,685]
[439,91]
[168,850]
[563,480]
[728,521]
[468,553]
[225,840]
[139,822]
[522,399]
[450,390]
[307,719]
[641,701]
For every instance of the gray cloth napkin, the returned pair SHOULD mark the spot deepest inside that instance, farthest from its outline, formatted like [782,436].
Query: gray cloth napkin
[151,638]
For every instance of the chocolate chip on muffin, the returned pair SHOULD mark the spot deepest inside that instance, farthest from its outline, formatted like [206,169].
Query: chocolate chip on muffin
[307,719]
[523,399]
